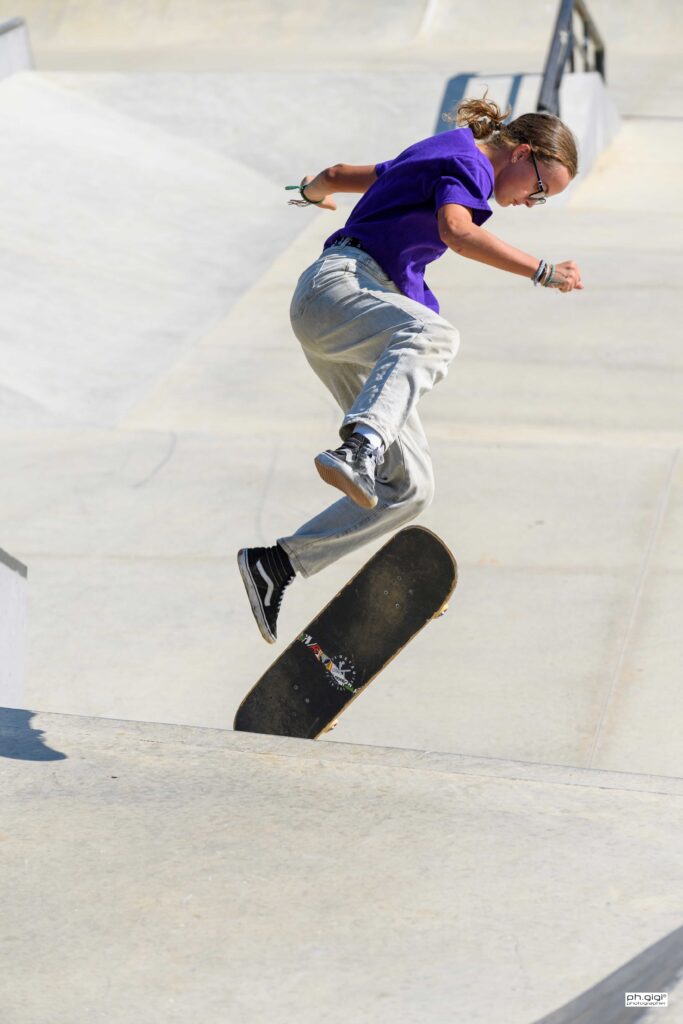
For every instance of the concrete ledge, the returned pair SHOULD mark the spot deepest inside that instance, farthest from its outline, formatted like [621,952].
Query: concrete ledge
[656,971]
[13,576]
[20,726]
[588,109]
[166,873]
[585,106]
[15,47]
[13,564]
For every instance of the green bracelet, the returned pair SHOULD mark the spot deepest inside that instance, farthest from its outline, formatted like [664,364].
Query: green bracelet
[312,202]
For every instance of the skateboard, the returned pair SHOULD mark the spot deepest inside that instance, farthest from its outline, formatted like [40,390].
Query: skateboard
[405,585]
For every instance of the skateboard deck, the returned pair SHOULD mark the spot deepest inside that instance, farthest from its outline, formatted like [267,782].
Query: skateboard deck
[398,591]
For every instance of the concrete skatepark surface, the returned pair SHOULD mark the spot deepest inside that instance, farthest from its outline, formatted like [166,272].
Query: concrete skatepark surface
[156,414]
[166,873]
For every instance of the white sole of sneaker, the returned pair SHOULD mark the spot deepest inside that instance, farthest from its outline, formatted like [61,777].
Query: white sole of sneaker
[254,598]
[334,474]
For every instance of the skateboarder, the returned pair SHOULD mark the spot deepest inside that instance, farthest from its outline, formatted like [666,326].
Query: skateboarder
[370,327]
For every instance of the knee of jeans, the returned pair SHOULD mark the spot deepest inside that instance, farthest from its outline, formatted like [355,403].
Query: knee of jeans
[451,337]
[424,494]
[419,497]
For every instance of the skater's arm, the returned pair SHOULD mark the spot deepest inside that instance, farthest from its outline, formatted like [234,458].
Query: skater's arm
[459,232]
[338,178]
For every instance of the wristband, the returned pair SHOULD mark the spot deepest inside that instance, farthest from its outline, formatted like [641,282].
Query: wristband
[540,271]
[550,279]
[307,201]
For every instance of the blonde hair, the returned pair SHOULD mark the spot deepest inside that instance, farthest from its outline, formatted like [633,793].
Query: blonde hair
[547,135]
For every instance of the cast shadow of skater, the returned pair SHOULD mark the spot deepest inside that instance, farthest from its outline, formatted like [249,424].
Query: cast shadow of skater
[20,742]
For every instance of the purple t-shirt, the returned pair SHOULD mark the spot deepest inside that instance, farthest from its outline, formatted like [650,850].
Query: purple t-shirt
[395,220]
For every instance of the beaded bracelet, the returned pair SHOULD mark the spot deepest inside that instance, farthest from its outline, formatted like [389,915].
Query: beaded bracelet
[540,271]
[306,200]
[550,278]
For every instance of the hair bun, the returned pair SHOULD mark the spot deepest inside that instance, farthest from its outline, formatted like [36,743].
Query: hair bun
[548,136]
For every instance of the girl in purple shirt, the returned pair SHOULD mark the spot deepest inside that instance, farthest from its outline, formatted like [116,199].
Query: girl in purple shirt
[370,327]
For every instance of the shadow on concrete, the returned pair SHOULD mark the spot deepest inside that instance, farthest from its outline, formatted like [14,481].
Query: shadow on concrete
[22,743]
[657,969]
[457,89]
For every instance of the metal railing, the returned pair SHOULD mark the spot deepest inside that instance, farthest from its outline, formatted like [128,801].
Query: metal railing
[564,47]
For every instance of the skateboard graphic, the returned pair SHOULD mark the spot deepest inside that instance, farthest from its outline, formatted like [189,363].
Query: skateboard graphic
[405,585]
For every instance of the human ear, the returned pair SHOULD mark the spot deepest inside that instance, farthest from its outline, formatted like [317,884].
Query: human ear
[520,152]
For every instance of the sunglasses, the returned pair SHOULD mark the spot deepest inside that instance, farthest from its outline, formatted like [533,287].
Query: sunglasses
[537,197]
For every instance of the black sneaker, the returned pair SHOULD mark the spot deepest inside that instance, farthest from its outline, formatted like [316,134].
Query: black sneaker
[352,468]
[266,572]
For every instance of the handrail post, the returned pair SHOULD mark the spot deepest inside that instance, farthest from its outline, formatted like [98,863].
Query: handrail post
[562,51]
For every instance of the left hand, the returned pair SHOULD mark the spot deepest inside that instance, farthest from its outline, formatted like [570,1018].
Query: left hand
[327,203]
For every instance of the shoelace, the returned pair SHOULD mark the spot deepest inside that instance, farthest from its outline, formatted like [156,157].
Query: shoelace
[361,449]
[367,451]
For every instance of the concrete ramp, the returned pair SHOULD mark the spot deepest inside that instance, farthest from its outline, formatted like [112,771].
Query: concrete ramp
[131,237]
[159,873]
[237,26]
[175,31]
[13,575]
[157,414]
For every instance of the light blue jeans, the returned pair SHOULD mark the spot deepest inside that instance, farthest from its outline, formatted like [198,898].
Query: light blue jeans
[377,352]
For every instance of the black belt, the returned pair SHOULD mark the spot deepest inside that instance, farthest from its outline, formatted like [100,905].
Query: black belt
[347,240]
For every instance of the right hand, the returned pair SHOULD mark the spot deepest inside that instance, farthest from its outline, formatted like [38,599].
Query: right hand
[566,277]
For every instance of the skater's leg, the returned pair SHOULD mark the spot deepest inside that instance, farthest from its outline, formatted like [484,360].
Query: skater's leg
[411,364]
[405,486]
[376,350]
